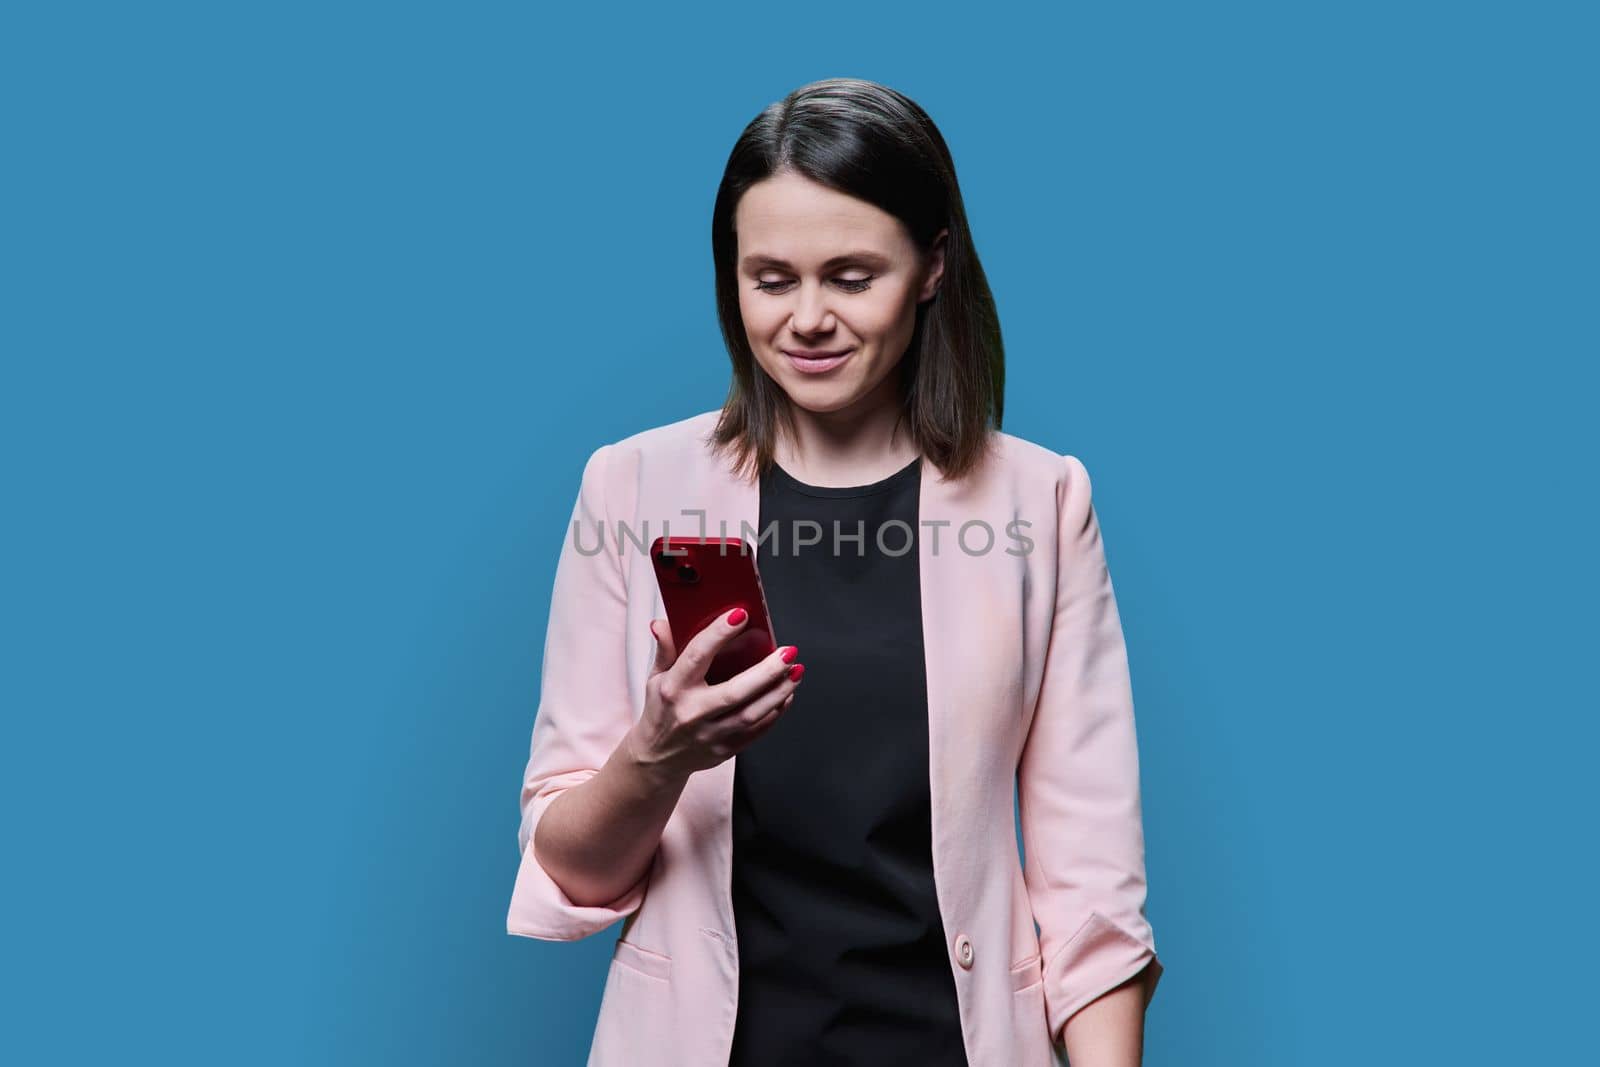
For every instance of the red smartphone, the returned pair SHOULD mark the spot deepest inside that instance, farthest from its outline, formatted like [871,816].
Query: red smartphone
[702,579]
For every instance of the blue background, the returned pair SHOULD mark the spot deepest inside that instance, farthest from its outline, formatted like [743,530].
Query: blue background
[311,314]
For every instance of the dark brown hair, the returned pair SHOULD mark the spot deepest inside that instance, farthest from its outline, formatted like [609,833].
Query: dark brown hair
[870,142]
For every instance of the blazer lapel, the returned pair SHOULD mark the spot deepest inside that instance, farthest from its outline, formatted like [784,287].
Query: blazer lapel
[943,609]
[971,633]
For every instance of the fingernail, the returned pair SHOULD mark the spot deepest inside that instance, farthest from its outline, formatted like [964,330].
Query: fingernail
[736,616]
[789,653]
[796,671]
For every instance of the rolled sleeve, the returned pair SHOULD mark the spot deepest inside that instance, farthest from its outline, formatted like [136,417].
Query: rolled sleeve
[1078,782]
[583,710]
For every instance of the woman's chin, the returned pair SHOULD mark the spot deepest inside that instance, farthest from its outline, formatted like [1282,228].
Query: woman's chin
[818,399]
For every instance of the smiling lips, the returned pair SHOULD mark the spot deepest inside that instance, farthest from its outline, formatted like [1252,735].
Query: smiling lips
[815,361]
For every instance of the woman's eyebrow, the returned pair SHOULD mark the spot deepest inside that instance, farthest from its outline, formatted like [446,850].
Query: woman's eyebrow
[755,260]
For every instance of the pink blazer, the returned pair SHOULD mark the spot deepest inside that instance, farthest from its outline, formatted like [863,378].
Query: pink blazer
[1028,683]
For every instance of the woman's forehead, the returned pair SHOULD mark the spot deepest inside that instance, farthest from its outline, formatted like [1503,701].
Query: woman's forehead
[798,222]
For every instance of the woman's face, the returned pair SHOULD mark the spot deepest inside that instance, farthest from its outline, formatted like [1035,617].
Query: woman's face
[821,272]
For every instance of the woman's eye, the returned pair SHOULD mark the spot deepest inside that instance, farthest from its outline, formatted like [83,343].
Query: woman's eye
[849,285]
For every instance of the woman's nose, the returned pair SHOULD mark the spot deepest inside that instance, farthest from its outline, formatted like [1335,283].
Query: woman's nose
[811,311]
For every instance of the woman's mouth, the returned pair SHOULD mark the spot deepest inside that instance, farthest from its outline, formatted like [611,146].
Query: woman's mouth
[816,361]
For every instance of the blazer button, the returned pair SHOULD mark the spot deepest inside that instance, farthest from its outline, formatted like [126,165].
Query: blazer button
[964,951]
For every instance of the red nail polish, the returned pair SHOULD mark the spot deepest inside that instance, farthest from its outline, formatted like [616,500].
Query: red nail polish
[736,616]
[789,653]
[796,671]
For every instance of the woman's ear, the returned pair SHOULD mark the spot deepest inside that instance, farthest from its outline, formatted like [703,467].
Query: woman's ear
[935,267]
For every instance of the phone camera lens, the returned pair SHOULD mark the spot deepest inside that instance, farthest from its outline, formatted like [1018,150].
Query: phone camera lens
[687,574]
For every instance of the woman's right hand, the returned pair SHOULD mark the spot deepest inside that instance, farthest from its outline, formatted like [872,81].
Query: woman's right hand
[689,726]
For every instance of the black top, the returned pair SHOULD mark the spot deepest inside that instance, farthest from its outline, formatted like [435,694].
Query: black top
[842,953]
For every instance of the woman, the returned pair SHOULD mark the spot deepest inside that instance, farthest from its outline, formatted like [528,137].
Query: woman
[815,861]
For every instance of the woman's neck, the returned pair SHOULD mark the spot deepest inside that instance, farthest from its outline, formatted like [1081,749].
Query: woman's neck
[840,448]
